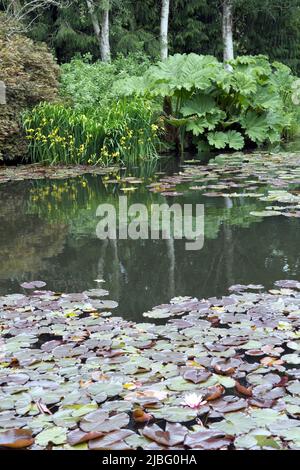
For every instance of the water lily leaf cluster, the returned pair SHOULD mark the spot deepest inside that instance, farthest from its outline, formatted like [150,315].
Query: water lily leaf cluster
[40,172]
[222,373]
[271,180]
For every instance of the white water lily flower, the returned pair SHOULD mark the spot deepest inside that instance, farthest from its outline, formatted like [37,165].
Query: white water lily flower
[194,401]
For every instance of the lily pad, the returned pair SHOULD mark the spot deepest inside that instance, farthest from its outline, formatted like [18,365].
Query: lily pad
[55,435]
[175,414]
[33,285]
[16,438]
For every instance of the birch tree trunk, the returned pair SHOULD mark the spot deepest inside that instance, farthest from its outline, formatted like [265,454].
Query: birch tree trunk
[95,23]
[164,27]
[228,31]
[105,45]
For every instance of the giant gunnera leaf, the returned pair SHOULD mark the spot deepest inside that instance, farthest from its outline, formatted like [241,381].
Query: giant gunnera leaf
[232,139]
[198,105]
[256,127]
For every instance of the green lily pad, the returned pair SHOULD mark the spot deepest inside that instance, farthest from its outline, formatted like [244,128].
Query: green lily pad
[175,414]
[56,435]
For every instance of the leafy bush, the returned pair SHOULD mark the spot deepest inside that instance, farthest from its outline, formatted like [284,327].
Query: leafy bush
[90,84]
[30,74]
[123,132]
[251,105]
[94,127]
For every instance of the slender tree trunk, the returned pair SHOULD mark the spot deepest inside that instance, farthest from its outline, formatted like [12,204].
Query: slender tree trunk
[95,23]
[105,46]
[228,31]
[164,27]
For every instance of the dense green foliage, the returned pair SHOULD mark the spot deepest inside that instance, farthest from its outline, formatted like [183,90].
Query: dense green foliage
[207,108]
[90,84]
[270,27]
[251,105]
[30,74]
[92,125]
[122,132]
[200,103]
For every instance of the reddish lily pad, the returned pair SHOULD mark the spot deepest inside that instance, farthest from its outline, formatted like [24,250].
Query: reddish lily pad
[16,438]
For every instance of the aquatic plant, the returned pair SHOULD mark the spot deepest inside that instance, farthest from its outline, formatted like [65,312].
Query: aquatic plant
[194,401]
[124,132]
[58,393]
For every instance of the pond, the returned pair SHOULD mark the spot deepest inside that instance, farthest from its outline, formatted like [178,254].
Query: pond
[215,367]
[48,232]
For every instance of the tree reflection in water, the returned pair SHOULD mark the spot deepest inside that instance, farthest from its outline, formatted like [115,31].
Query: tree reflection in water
[48,232]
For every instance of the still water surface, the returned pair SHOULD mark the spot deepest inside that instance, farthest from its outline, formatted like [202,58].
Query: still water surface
[48,232]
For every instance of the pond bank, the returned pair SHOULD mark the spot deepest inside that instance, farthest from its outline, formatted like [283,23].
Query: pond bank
[221,374]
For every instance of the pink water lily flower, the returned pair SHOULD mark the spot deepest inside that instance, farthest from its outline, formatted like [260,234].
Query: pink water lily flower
[194,401]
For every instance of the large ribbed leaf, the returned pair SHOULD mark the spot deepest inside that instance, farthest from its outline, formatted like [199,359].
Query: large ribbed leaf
[244,82]
[217,139]
[196,126]
[210,121]
[221,140]
[213,119]
[199,105]
[267,97]
[256,127]
[235,140]
[182,72]
[130,86]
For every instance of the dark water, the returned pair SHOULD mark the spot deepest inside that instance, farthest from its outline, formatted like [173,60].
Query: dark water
[48,232]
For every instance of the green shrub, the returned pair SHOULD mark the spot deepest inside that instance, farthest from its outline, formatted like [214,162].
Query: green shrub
[208,105]
[30,74]
[90,84]
[123,133]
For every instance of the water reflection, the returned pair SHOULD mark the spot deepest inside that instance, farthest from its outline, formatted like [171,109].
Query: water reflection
[47,231]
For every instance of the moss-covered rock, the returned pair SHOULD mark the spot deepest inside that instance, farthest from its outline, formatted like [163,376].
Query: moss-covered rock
[30,74]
